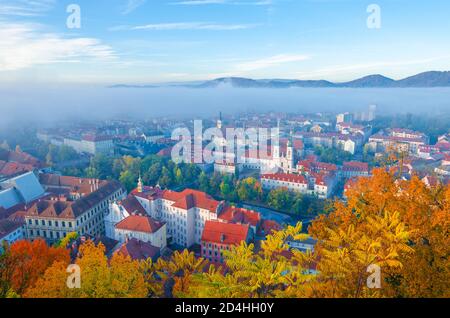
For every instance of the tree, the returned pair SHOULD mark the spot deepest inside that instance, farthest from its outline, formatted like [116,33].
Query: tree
[166,179]
[400,225]
[203,182]
[279,199]
[227,188]
[264,274]
[25,262]
[173,277]
[249,189]
[179,179]
[119,278]
[128,179]
[102,166]
[69,238]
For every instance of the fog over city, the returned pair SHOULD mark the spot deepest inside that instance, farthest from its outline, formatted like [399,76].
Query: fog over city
[50,103]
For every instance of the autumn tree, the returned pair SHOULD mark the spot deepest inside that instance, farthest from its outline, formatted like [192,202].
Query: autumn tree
[172,277]
[402,226]
[118,278]
[270,272]
[24,262]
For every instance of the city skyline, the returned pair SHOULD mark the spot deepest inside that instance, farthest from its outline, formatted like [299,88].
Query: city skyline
[168,41]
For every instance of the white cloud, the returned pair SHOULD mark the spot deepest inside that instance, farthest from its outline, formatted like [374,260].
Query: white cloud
[186,26]
[357,69]
[133,5]
[25,8]
[23,46]
[270,62]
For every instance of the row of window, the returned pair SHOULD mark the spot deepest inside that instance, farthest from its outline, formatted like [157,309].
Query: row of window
[50,223]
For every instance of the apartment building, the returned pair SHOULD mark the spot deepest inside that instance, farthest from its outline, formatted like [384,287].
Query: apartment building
[55,217]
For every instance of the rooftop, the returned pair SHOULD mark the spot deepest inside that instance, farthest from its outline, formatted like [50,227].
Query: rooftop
[138,250]
[225,233]
[139,223]
[287,177]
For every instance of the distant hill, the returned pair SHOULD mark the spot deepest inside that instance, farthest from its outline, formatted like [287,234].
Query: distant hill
[370,81]
[427,79]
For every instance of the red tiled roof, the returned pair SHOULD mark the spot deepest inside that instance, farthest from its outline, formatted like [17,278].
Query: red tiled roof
[398,139]
[238,215]
[96,138]
[269,226]
[81,186]
[72,209]
[324,166]
[12,168]
[190,198]
[19,157]
[148,193]
[287,177]
[8,226]
[225,233]
[355,166]
[139,223]
[138,250]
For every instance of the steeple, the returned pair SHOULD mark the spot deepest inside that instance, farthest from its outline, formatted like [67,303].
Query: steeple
[219,122]
[140,186]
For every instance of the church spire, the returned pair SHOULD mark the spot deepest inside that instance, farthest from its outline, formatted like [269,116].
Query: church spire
[219,122]
[140,186]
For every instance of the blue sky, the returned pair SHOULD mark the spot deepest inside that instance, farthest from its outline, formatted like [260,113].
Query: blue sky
[146,41]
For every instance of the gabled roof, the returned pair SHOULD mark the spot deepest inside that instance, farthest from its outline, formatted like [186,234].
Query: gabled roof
[8,226]
[52,209]
[190,198]
[28,186]
[139,223]
[242,216]
[355,166]
[138,250]
[132,205]
[69,209]
[225,233]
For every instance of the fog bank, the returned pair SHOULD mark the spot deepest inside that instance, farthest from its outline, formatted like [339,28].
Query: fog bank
[50,103]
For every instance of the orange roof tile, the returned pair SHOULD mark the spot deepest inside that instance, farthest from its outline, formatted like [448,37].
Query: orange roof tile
[225,233]
[139,223]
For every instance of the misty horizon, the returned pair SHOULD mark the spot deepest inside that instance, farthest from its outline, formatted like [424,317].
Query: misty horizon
[55,103]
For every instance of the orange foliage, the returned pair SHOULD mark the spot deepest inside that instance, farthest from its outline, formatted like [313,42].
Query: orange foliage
[30,260]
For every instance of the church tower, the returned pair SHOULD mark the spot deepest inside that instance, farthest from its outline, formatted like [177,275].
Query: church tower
[276,144]
[140,186]
[219,122]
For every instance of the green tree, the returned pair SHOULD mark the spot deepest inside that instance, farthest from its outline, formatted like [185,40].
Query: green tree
[128,179]
[203,182]
[279,199]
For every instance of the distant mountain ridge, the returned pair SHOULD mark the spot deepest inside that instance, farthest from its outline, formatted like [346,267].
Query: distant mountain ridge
[426,79]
